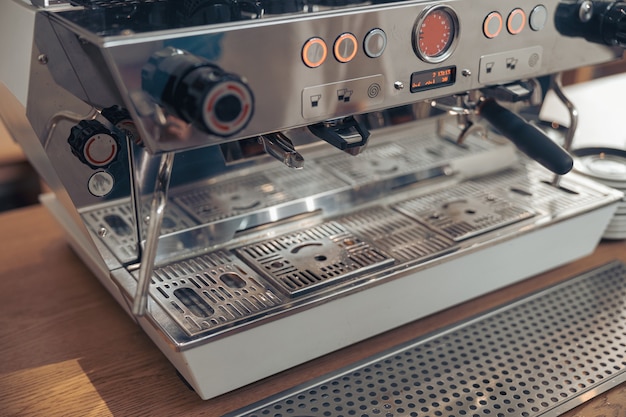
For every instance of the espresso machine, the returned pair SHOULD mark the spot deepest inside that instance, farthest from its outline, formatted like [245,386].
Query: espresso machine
[261,182]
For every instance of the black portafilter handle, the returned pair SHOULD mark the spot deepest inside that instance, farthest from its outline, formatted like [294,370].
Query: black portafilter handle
[597,21]
[526,137]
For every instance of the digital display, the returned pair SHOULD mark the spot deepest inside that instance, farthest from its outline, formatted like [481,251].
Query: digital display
[425,80]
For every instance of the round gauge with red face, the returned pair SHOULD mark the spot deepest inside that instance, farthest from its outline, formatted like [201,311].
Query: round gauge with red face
[435,34]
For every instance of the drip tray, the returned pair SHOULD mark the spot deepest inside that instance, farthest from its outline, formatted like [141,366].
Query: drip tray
[533,357]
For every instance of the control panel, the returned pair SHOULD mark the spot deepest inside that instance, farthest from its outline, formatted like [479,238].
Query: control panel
[218,83]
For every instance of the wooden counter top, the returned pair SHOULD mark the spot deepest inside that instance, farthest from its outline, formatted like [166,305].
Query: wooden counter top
[68,349]
[10,152]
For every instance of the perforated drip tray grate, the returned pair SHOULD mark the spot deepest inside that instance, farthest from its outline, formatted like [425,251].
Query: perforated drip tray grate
[463,213]
[253,192]
[301,261]
[533,357]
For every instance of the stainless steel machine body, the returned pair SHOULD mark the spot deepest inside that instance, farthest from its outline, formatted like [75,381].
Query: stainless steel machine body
[158,125]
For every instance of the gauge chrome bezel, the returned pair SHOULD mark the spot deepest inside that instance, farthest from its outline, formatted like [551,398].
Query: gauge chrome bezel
[454,34]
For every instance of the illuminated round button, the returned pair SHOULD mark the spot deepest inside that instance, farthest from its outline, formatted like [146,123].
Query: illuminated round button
[345,47]
[516,21]
[492,25]
[314,52]
[538,17]
[375,43]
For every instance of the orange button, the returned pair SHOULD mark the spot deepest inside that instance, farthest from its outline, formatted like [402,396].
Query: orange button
[492,25]
[516,21]
[314,52]
[345,47]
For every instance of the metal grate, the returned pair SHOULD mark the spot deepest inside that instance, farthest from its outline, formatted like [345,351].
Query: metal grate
[210,291]
[256,191]
[529,358]
[399,236]
[400,158]
[464,211]
[531,186]
[115,224]
[308,259]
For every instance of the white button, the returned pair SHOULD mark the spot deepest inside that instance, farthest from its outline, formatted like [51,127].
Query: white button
[101,183]
[538,17]
[375,43]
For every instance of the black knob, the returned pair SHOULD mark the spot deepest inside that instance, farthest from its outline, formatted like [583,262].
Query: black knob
[198,92]
[121,118]
[93,144]
[597,21]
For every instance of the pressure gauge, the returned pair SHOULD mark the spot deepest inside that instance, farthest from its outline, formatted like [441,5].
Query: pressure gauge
[435,34]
